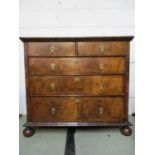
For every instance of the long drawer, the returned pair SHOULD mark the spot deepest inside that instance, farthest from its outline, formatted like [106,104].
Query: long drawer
[73,66]
[70,109]
[76,85]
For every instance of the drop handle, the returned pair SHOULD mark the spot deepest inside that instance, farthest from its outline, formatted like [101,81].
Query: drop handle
[102,49]
[53,110]
[76,79]
[76,61]
[77,100]
[101,66]
[52,49]
[53,66]
[100,110]
[52,86]
[101,86]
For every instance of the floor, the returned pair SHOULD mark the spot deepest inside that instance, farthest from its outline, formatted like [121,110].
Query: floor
[88,141]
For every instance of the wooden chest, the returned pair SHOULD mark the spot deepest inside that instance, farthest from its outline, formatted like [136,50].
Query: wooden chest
[77,82]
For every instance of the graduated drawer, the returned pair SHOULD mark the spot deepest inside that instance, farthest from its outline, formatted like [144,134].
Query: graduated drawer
[72,66]
[76,85]
[103,48]
[102,109]
[48,109]
[79,109]
[51,49]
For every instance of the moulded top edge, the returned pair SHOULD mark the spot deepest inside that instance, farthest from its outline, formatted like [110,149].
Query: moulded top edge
[109,38]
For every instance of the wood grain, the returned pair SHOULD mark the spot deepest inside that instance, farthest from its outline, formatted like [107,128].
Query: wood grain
[67,85]
[51,49]
[77,66]
[102,109]
[102,48]
[67,109]
[41,109]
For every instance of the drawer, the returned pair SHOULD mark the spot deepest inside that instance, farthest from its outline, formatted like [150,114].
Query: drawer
[51,109]
[102,109]
[51,49]
[103,48]
[76,85]
[73,66]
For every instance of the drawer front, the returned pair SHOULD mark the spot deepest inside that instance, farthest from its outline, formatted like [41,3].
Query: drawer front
[76,85]
[51,49]
[102,48]
[52,109]
[73,66]
[102,109]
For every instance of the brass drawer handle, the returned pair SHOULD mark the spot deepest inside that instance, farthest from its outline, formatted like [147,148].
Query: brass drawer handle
[52,86]
[53,110]
[101,86]
[76,61]
[102,49]
[52,49]
[77,79]
[101,66]
[77,100]
[100,110]
[53,66]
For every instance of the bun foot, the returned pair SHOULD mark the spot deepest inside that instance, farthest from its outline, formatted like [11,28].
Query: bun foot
[126,131]
[28,132]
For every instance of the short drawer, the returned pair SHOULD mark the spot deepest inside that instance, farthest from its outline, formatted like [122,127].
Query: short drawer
[103,48]
[102,109]
[51,49]
[52,109]
[73,66]
[76,85]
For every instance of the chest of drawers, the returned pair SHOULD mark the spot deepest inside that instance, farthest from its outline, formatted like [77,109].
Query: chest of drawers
[77,82]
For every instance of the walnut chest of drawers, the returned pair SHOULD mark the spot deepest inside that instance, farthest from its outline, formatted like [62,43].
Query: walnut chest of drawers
[77,82]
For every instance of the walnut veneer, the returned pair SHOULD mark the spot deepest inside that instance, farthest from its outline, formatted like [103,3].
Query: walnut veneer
[77,82]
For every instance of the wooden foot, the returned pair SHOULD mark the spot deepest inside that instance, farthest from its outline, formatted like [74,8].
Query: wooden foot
[28,132]
[126,131]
